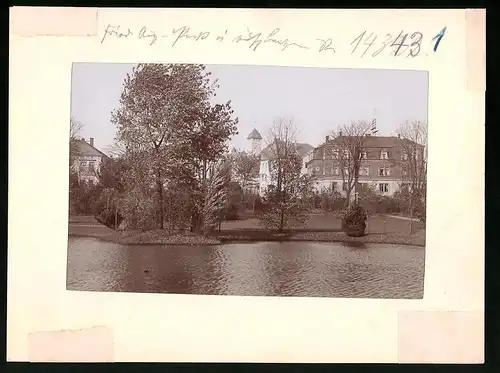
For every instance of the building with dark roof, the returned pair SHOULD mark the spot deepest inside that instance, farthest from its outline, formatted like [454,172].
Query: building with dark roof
[381,163]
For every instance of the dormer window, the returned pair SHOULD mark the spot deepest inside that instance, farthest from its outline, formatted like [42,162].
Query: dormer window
[384,154]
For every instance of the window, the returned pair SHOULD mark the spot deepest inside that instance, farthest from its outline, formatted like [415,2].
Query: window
[405,172]
[316,168]
[328,153]
[383,187]
[328,170]
[91,183]
[364,171]
[346,153]
[83,165]
[336,171]
[335,154]
[383,171]
[91,165]
[334,185]
[344,186]
[363,155]
[404,155]
[384,154]
[346,171]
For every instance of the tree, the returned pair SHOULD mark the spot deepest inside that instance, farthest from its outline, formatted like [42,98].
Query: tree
[75,191]
[216,196]
[168,125]
[245,168]
[288,193]
[347,153]
[75,129]
[245,171]
[413,163]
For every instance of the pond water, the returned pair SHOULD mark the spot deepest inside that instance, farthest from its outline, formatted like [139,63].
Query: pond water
[256,269]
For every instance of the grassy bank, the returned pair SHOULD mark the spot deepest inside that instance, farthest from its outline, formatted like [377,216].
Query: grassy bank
[323,229]
[416,239]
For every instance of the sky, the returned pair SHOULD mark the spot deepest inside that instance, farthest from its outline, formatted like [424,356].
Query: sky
[318,99]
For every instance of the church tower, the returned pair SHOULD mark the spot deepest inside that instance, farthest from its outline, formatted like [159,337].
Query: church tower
[256,140]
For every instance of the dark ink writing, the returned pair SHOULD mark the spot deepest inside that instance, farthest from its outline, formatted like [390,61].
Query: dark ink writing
[326,45]
[115,31]
[150,35]
[183,33]
[438,38]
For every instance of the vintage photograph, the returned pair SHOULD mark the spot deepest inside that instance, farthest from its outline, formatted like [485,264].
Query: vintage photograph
[247,180]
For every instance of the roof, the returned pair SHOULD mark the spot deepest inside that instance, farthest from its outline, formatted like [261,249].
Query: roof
[254,135]
[376,141]
[302,149]
[87,150]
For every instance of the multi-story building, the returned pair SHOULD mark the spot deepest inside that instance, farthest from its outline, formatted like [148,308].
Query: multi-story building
[265,155]
[87,161]
[382,163]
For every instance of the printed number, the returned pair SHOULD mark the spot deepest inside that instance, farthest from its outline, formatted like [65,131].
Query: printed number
[399,45]
[415,45]
[368,43]
[384,44]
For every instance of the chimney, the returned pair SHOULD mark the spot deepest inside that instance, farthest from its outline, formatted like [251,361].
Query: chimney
[340,133]
[327,138]
[91,141]
[399,135]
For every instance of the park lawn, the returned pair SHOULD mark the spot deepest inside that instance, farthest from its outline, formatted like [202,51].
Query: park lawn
[320,227]
[327,228]
[376,224]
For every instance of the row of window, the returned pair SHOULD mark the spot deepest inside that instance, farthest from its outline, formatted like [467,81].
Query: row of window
[382,187]
[363,171]
[384,154]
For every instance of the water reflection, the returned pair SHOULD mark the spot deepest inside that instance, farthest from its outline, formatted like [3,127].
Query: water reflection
[266,268]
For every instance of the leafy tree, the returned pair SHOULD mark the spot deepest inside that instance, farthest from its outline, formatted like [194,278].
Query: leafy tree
[166,120]
[288,195]
[216,196]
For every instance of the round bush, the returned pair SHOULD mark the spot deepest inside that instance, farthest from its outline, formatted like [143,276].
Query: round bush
[354,221]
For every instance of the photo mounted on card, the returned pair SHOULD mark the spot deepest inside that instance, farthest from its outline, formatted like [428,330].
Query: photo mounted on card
[247,180]
[286,180]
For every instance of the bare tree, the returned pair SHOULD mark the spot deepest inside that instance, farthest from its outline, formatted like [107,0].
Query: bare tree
[413,163]
[346,152]
[287,193]
[75,129]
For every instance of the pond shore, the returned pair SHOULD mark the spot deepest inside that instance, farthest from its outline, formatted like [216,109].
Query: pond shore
[162,237]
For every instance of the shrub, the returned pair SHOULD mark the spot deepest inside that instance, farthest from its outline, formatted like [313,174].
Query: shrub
[354,221]
[108,218]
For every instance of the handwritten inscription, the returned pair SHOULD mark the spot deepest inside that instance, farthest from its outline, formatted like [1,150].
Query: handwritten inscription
[254,40]
[404,44]
[184,33]
[401,44]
